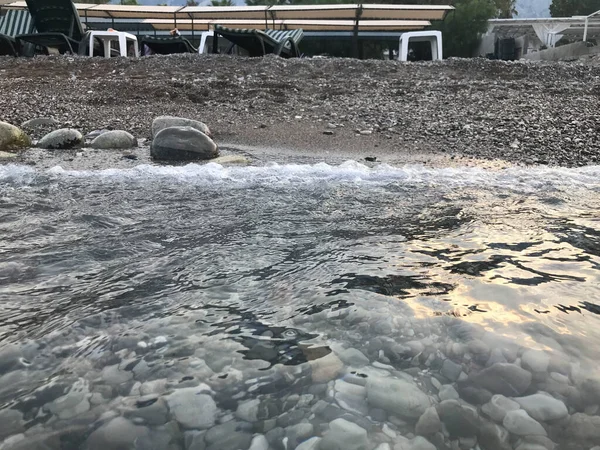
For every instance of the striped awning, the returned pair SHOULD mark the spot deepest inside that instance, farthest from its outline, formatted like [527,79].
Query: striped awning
[16,22]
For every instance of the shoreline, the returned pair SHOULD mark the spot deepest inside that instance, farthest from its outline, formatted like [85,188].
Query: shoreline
[455,112]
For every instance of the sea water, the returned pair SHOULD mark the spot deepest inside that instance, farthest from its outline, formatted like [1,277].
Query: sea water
[307,306]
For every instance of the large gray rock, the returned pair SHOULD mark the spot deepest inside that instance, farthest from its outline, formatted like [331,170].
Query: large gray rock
[344,435]
[40,122]
[62,139]
[114,139]
[182,144]
[520,423]
[584,428]
[12,423]
[498,406]
[429,423]
[12,138]
[192,409]
[503,378]
[162,122]
[535,360]
[459,420]
[398,397]
[119,433]
[543,407]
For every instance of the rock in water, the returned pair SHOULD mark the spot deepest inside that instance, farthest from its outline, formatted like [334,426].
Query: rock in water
[162,122]
[398,397]
[543,407]
[584,427]
[119,433]
[326,368]
[535,360]
[192,409]
[520,423]
[181,144]
[460,421]
[12,138]
[498,406]
[503,378]
[231,159]
[114,139]
[344,435]
[429,423]
[62,139]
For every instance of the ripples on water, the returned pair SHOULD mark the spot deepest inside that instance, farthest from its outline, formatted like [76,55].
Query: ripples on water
[249,283]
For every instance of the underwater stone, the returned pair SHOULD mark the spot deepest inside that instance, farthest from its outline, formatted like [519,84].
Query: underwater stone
[543,407]
[535,360]
[520,423]
[397,397]
[344,435]
[191,409]
[498,406]
[428,423]
[503,378]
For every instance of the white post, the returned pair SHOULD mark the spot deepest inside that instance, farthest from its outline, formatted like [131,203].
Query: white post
[585,30]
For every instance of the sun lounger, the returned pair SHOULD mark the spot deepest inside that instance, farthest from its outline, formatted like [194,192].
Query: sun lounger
[57,24]
[168,45]
[15,22]
[259,43]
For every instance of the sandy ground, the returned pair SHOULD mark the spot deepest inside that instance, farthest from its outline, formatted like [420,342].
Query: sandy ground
[456,112]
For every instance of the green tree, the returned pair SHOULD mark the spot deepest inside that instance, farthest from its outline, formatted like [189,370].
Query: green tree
[568,8]
[191,3]
[96,2]
[129,2]
[462,29]
[221,3]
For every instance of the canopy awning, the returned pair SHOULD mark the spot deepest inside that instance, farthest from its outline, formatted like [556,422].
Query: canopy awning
[352,11]
[313,25]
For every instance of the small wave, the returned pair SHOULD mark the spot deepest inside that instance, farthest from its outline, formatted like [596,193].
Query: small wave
[347,172]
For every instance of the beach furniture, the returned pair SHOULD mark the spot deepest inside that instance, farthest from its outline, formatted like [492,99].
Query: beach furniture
[109,36]
[168,45]
[259,43]
[57,24]
[15,22]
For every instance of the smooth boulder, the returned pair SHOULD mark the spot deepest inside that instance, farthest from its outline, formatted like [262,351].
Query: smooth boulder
[12,138]
[543,407]
[503,378]
[182,144]
[397,397]
[520,423]
[344,435]
[63,139]
[114,139]
[192,409]
[162,122]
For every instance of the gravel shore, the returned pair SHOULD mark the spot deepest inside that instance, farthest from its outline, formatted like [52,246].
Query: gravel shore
[519,112]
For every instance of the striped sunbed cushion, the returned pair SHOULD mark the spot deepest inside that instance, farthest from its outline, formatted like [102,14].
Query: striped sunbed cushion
[16,22]
[280,35]
[275,36]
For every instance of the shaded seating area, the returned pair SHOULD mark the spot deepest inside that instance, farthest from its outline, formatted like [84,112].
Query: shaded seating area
[14,23]
[57,23]
[260,43]
[168,45]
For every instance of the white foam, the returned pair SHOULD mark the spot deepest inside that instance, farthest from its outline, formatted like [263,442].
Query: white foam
[348,172]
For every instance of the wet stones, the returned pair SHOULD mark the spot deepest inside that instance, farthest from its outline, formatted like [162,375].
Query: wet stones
[520,423]
[429,423]
[192,409]
[118,433]
[325,368]
[162,122]
[63,139]
[584,427]
[11,422]
[535,360]
[459,420]
[113,140]
[12,138]
[397,397]
[353,357]
[182,143]
[498,406]
[344,435]
[503,378]
[543,407]
[451,370]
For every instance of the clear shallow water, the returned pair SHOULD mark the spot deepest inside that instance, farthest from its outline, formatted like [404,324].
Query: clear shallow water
[140,307]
